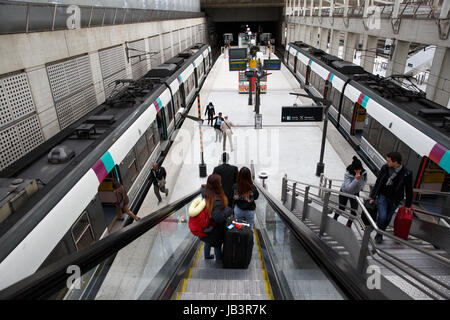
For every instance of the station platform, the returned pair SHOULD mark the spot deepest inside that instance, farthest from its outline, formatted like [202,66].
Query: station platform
[278,148]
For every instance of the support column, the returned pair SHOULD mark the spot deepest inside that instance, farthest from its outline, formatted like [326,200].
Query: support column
[297,32]
[349,46]
[314,36]
[369,52]
[334,42]
[307,34]
[301,36]
[323,38]
[438,86]
[397,63]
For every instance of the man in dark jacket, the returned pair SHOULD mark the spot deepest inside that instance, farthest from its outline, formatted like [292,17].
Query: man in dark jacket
[394,181]
[159,181]
[211,113]
[229,174]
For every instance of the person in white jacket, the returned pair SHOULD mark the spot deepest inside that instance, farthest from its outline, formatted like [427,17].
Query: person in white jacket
[225,126]
[355,178]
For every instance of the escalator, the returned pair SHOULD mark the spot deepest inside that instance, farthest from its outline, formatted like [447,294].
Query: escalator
[159,259]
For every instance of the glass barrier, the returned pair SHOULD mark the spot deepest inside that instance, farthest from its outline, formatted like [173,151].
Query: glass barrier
[306,280]
[142,268]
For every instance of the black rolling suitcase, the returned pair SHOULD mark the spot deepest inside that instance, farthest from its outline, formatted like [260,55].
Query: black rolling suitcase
[237,246]
[372,208]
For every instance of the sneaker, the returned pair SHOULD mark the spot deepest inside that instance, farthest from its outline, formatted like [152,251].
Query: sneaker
[167,192]
[378,238]
[209,257]
[159,201]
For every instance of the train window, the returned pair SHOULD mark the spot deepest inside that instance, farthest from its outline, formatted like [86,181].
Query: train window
[82,233]
[347,109]
[57,253]
[169,112]
[404,150]
[142,151]
[387,142]
[371,130]
[336,98]
[132,170]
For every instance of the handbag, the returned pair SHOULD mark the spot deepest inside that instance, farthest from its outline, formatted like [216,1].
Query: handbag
[372,209]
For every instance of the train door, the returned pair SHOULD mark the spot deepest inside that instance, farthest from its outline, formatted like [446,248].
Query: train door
[108,198]
[196,77]
[161,121]
[295,65]
[308,75]
[358,120]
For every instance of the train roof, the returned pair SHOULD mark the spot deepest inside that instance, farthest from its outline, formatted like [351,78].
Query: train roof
[407,102]
[110,119]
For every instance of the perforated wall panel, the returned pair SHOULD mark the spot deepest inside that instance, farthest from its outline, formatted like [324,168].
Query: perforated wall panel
[112,61]
[167,54]
[68,77]
[15,98]
[138,65]
[155,47]
[19,139]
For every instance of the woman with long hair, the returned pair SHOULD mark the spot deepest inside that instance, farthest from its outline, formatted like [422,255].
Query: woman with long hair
[245,194]
[218,210]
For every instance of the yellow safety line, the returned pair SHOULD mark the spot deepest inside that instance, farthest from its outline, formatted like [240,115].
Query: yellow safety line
[185,280]
[265,277]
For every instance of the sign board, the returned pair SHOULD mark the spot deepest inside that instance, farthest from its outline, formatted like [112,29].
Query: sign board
[258,121]
[237,65]
[300,114]
[272,64]
[238,53]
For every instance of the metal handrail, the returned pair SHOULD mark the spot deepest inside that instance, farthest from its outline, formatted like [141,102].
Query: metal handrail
[374,225]
[419,191]
[368,230]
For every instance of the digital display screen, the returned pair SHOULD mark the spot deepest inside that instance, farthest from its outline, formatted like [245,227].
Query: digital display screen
[272,64]
[237,53]
[238,65]
[300,114]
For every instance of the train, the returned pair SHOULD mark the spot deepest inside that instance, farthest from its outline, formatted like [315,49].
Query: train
[62,191]
[377,115]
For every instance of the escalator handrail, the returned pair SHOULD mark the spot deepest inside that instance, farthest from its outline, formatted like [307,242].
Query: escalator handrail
[49,280]
[341,271]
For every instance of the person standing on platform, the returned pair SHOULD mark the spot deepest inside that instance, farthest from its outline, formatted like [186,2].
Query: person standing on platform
[229,174]
[159,181]
[226,131]
[122,202]
[211,113]
[394,181]
[217,123]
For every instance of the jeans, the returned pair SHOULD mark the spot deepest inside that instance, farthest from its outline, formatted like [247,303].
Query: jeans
[247,215]
[160,186]
[207,251]
[218,134]
[386,209]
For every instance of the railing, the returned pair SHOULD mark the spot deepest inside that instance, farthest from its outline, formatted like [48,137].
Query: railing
[328,183]
[410,9]
[20,17]
[322,199]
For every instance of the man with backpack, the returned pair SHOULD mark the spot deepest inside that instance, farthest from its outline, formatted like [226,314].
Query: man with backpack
[394,181]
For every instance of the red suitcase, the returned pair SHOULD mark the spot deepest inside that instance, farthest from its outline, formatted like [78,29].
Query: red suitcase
[402,222]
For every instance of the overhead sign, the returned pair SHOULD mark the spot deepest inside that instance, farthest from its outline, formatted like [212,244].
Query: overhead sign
[237,53]
[300,114]
[272,64]
[238,65]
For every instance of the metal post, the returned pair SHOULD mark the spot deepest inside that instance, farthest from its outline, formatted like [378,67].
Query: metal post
[320,165]
[294,187]
[202,165]
[305,204]
[284,189]
[364,248]
[330,184]
[323,221]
